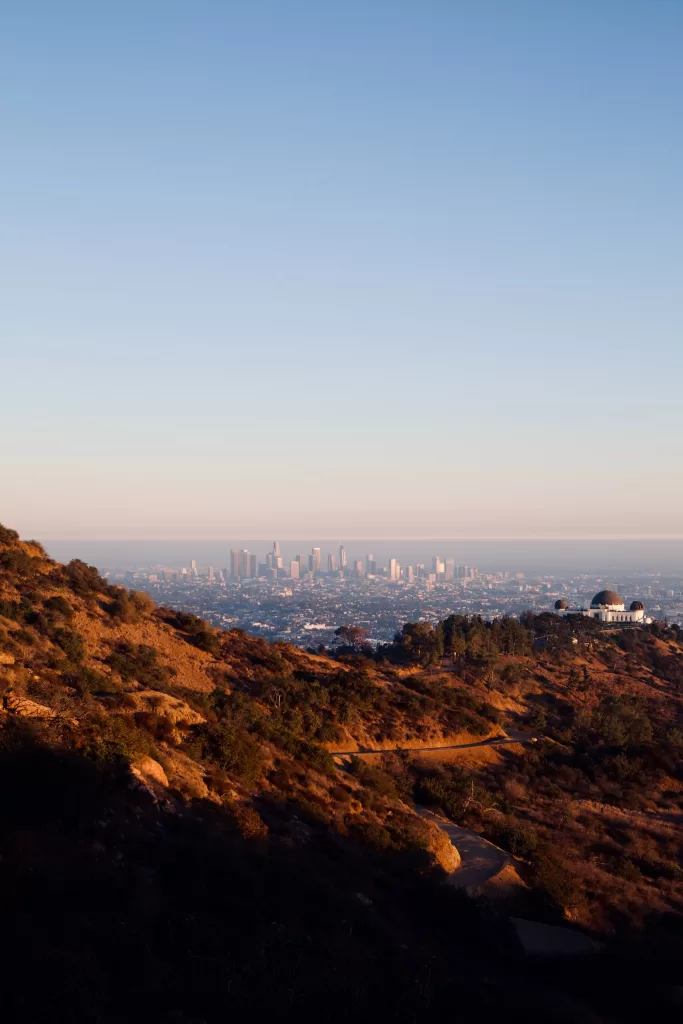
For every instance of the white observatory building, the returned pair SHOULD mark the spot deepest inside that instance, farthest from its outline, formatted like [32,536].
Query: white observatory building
[607,606]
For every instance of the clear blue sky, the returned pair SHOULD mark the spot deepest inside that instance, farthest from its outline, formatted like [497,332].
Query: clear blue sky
[345,268]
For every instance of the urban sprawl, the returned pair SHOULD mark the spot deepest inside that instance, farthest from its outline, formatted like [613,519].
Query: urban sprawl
[305,599]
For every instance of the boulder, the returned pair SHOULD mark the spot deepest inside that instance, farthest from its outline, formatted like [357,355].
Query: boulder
[26,708]
[149,773]
[177,711]
[442,849]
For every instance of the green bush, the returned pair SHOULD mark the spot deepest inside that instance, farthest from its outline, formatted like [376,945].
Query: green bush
[131,605]
[84,579]
[139,662]
[519,839]
[114,738]
[228,747]
[17,561]
[87,680]
[448,788]
[71,643]
[8,536]
[60,606]
[375,778]
[552,877]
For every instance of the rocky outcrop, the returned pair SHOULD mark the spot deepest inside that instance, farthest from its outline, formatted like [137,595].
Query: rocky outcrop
[26,708]
[177,711]
[150,776]
[442,849]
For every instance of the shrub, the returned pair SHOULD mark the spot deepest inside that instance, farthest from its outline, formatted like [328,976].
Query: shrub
[318,758]
[116,739]
[87,680]
[373,834]
[521,840]
[130,605]
[10,610]
[311,810]
[158,726]
[200,632]
[18,562]
[139,662]
[71,643]
[60,606]
[84,579]
[8,536]
[228,747]
[448,788]
[249,822]
[25,636]
[381,781]
[552,877]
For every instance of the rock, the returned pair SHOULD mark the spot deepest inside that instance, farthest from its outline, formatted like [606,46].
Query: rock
[442,849]
[26,708]
[178,712]
[148,772]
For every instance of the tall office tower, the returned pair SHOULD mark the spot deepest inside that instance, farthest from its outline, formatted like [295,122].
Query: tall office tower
[437,565]
[278,562]
[370,565]
[270,561]
[410,575]
[358,567]
[235,564]
[211,574]
[394,569]
[193,565]
[226,574]
[331,564]
[243,571]
[420,571]
[342,558]
[276,550]
[474,574]
[450,569]
[252,566]
[294,570]
[315,560]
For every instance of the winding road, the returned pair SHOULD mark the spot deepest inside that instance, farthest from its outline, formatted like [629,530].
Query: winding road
[512,736]
[480,859]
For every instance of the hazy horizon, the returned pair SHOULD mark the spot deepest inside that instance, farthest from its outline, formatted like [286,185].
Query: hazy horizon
[592,557]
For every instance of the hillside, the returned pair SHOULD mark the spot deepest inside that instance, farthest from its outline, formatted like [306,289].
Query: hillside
[176,829]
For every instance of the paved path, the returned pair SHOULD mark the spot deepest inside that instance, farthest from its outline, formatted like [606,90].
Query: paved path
[512,736]
[480,859]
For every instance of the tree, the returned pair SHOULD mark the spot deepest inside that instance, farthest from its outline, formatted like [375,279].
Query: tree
[355,637]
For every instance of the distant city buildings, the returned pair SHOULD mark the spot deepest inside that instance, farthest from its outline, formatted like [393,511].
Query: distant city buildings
[283,599]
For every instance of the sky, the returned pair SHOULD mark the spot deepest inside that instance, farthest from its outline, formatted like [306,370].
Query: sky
[387,269]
